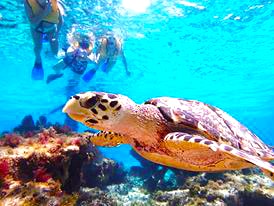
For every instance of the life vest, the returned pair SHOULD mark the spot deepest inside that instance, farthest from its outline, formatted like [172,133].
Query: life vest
[53,17]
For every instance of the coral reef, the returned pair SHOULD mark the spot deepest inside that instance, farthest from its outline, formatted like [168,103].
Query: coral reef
[151,173]
[235,189]
[94,197]
[61,168]
[170,186]
[130,193]
[42,170]
[37,193]
[27,125]
[28,128]
[50,168]
[102,173]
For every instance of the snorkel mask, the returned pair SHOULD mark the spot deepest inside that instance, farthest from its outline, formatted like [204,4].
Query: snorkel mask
[84,44]
[111,41]
[83,41]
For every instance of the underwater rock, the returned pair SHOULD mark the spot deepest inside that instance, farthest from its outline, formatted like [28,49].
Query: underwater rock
[95,197]
[44,169]
[27,128]
[62,129]
[37,193]
[157,177]
[129,195]
[176,197]
[151,173]
[102,173]
[27,125]
[42,122]
[235,189]
[52,168]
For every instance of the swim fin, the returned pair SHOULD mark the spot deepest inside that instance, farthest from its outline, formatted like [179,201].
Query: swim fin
[88,75]
[45,38]
[105,66]
[37,72]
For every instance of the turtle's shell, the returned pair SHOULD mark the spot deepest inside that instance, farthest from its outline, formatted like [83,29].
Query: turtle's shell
[211,122]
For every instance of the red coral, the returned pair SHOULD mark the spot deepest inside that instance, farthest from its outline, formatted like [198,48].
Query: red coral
[76,141]
[12,140]
[44,138]
[41,175]
[59,194]
[55,149]
[60,141]
[4,168]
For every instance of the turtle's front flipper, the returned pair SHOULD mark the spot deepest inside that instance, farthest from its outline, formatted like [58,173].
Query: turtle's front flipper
[107,139]
[212,156]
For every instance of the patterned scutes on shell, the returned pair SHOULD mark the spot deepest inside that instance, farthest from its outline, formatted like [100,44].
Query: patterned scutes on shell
[210,122]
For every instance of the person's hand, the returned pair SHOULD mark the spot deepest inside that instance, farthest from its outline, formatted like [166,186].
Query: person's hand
[92,57]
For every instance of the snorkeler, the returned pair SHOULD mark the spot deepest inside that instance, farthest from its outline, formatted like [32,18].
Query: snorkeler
[77,56]
[45,18]
[106,56]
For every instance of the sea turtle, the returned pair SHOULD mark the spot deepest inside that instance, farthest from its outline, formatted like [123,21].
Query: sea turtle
[179,133]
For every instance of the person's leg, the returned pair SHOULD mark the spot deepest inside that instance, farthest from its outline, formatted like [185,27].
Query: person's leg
[54,43]
[37,41]
[107,66]
[37,72]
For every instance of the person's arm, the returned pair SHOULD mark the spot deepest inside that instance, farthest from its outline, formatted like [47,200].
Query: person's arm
[124,62]
[36,19]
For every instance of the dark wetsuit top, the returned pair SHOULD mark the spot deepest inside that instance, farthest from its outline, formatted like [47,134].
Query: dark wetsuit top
[76,62]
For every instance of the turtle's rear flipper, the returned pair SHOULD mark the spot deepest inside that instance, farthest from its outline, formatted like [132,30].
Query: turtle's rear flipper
[230,158]
[107,139]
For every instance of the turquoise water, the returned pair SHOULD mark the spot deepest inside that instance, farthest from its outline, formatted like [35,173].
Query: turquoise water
[218,52]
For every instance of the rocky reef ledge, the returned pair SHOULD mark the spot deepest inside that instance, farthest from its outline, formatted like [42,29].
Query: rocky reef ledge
[58,167]
[42,170]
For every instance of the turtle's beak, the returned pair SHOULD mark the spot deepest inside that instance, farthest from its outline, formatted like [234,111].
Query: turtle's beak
[74,110]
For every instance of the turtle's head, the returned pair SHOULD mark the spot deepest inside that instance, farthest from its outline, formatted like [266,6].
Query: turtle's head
[98,110]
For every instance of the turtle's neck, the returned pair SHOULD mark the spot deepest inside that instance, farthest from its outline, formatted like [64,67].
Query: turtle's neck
[143,123]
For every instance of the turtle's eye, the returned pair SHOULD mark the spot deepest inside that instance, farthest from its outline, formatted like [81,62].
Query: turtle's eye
[90,102]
